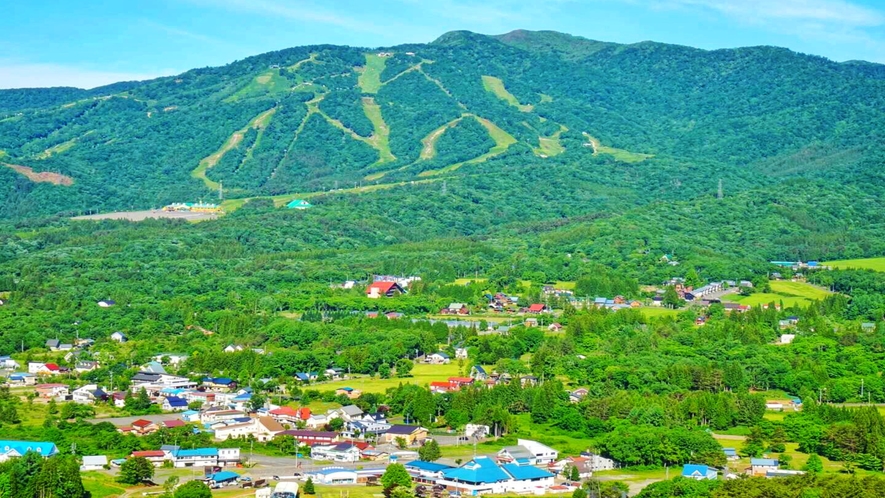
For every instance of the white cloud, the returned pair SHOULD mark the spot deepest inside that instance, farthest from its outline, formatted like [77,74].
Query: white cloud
[296,11]
[24,75]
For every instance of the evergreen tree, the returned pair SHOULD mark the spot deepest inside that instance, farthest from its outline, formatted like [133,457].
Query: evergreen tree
[396,475]
[430,452]
[308,488]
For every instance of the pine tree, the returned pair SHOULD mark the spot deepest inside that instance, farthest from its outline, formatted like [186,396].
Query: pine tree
[308,488]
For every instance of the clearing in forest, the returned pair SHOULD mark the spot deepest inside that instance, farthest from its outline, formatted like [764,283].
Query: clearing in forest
[258,123]
[59,148]
[370,74]
[876,264]
[428,149]
[550,146]
[618,154]
[41,177]
[381,135]
[782,291]
[269,81]
[503,141]
[496,86]
[297,65]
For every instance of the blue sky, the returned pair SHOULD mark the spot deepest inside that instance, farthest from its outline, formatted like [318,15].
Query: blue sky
[87,43]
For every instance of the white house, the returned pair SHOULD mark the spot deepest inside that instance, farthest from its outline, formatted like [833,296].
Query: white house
[787,338]
[119,337]
[527,452]
[8,363]
[350,413]
[261,428]
[88,394]
[342,452]
[439,358]
[761,466]
[95,462]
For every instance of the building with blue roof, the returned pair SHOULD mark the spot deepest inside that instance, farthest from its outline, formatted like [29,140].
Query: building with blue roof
[14,449]
[426,472]
[484,475]
[174,404]
[730,453]
[223,477]
[761,466]
[698,472]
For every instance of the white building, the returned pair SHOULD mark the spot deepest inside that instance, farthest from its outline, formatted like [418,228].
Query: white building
[334,475]
[527,452]
[95,462]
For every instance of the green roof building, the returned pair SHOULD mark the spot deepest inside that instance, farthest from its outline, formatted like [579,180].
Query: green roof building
[299,204]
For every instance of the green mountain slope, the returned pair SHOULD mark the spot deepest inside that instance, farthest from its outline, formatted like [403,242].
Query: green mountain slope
[340,115]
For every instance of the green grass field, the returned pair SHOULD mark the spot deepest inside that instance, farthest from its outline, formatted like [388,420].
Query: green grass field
[258,122]
[550,146]
[656,312]
[381,134]
[422,374]
[790,293]
[503,141]
[266,83]
[877,264]
[496,86]
[619,154]
[102,485]
[370,75]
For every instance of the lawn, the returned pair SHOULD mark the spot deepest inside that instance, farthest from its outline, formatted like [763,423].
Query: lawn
[268,82]
[422,374]
[790,293]
[877,264]
[370,75]
[655,312]
[102,485]
[496,86]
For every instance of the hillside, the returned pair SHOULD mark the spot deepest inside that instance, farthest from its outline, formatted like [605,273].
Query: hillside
[316,118]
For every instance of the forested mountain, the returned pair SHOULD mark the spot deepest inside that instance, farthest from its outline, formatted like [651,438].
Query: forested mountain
[634,124]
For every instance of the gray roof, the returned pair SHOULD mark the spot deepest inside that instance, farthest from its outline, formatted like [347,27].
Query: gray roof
[95,460]
[518,452]
[351,410]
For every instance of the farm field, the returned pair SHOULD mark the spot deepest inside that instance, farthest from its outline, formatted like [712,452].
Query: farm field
[656,312]
[790,293]
[877,264]
[422,374]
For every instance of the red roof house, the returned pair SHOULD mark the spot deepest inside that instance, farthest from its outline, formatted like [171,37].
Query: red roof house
[52,367]
[383,289]
[537,308]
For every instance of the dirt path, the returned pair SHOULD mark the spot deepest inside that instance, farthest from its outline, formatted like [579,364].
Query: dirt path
[42,176]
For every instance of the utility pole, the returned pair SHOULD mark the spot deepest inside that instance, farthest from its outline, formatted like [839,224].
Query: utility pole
[220,191]
[720,193]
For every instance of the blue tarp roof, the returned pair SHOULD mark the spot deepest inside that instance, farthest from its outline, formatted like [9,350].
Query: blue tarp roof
[224,476]
[198,452]
[480,470]
[428,466]
[526,471]
[690,470]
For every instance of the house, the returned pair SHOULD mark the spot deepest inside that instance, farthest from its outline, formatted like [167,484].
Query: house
[300,204]
[232,348]
[106,303]
[334,373]
[190,416]
[350,412]
[119,399]
[39,368]
[343,452]
[223,478]
[426,472]
[219,383]
[578,395]
[438,358]
[21,379]
[119,337]
[205,457]
[173,424]
[15,449]
[85,366]
[306,376]
[288,415]
[538,308]
[156,457]
[740,308]
[154,367]
[261,428]
[461,353]
[730,454]
[376,290]
[527,452]
[529,380]
[51,390]
[142,426]
[786,338]
[478,373]
[586,464]
[483,475]
[365,427]
[221,414]
[412,434]
[531,322]
[90,393]
[174,404]
[761,466]
[699,472]
[311,438]
[350,392]
[7,363]
[437,387]
[94,462]
[173,359]
[333,475]
[52,344]
[455,309]
[554,327]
